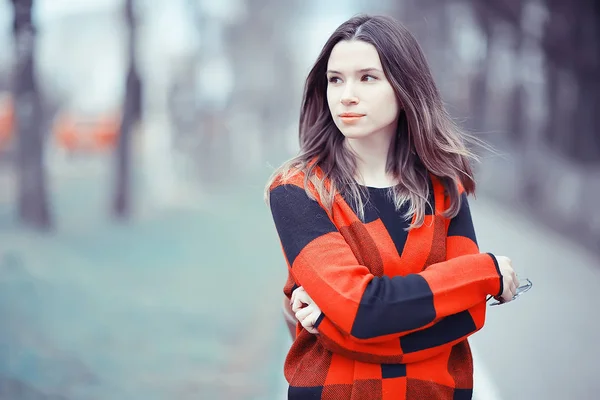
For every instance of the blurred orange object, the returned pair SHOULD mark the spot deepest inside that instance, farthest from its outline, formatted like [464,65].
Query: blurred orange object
[86,133]
[7,119]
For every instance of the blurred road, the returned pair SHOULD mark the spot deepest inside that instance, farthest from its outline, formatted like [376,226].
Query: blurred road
[185,304]
[545,344]
[178,305]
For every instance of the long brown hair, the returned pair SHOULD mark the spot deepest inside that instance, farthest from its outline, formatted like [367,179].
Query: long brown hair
[427,140]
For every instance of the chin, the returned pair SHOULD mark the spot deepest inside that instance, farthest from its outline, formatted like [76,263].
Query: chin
[351,131]
[354,134]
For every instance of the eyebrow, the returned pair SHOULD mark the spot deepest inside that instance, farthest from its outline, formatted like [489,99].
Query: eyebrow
[330,71]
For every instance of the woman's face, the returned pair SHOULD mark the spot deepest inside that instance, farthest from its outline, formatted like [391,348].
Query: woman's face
[361,100]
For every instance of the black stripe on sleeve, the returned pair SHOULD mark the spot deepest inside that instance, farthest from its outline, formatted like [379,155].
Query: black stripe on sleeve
[299,220]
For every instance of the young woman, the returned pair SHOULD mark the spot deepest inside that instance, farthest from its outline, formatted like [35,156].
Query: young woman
[385,276]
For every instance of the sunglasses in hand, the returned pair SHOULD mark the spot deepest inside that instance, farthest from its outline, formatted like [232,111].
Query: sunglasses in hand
[524,287]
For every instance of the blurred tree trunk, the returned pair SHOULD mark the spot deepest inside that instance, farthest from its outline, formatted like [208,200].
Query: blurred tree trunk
[570,45]
[441,44]
[33,199]
[517,113]
[479,87]
[585,146]
[130,117]
[272,64]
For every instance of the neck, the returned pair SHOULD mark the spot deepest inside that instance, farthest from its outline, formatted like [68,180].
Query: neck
[371,159]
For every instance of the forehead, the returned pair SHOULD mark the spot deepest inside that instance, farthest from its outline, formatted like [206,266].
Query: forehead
[353,55]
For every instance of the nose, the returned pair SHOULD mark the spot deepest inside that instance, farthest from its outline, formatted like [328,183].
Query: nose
[348,97]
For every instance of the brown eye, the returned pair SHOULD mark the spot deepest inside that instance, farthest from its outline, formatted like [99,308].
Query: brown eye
[334,79]
[368,78]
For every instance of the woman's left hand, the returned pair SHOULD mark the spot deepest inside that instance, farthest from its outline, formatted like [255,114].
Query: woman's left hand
[305,309]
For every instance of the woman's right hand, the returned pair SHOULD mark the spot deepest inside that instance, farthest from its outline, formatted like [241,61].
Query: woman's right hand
[509,279]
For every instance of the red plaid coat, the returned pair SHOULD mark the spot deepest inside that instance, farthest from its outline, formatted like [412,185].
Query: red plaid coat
[397,306]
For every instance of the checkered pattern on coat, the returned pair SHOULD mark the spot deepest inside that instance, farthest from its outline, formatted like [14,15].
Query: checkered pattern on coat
[397,306]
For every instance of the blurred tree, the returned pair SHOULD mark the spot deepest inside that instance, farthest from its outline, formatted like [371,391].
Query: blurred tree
[33,199]
[516,107]
[266,22]
[479,86]
[491,17]
[567,35]
[131,115]
[570,43]
[570,46]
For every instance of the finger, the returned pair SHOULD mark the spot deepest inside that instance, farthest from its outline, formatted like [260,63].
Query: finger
[513,290]
[308,315]
[297,303]
[310,320]
[302,299]
[312,330]
[307,324]
[508,293]
[510,289]
[303,318]
[509,296]
[306,296]
[295,291]
[303,313]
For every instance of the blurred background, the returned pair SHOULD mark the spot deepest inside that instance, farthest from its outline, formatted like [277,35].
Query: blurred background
[137,257]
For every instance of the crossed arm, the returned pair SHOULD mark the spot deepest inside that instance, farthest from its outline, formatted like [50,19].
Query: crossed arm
[382,319]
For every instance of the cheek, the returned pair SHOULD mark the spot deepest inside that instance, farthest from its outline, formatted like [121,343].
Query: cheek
[387,107]
[331,99]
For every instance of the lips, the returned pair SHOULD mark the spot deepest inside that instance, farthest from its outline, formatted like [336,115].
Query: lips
[351,115]
[350,118]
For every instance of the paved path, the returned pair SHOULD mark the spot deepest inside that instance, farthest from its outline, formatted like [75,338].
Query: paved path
[544,345]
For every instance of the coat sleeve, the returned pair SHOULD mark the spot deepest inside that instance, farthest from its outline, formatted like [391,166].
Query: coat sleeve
[360,309]
[423,342]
